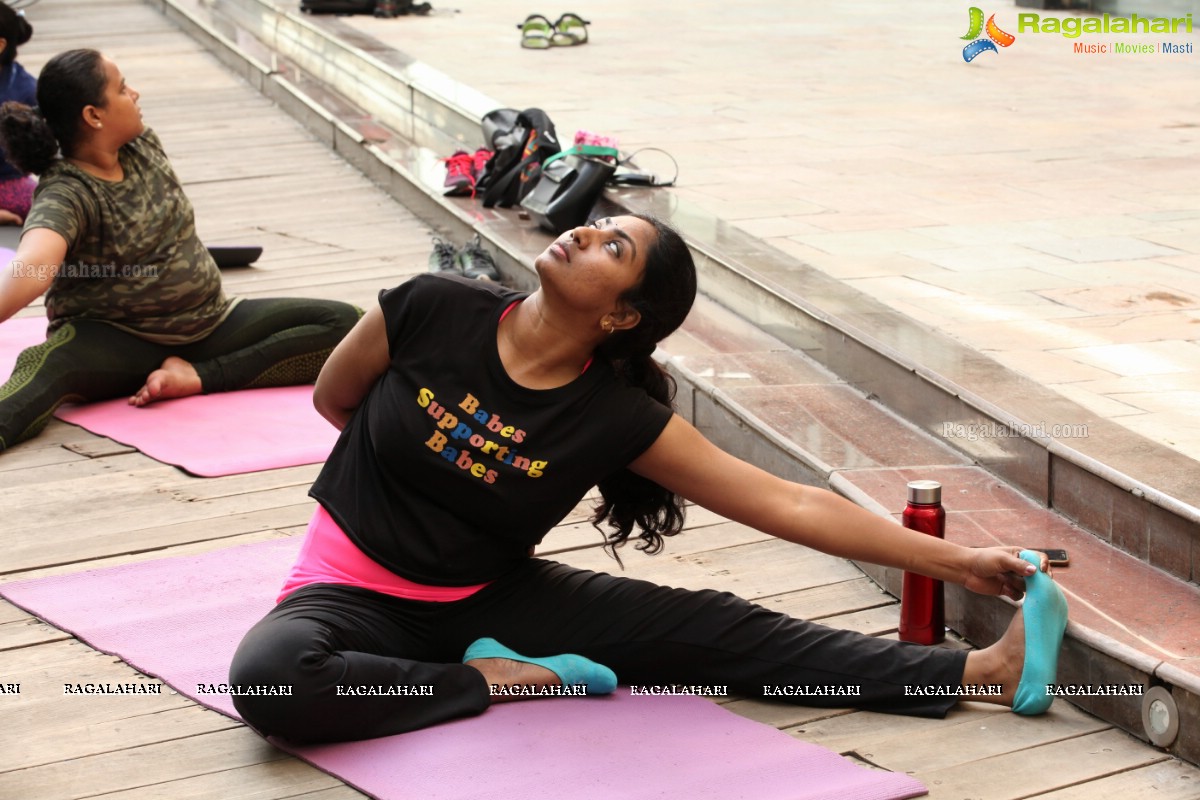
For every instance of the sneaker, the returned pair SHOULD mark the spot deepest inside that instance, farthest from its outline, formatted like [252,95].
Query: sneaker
[480,160]
[476,262]
[443,259]
[401,8]
[460,173]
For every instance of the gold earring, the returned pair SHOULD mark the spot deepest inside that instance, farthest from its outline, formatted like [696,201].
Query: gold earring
[607,326]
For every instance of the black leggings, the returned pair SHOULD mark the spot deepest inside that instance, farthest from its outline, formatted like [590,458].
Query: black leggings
[263,342]
[323,637]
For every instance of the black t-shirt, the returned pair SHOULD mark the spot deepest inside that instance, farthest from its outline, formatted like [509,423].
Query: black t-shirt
[449,470]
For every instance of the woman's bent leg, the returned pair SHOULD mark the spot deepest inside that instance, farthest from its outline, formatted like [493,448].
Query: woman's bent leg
[270,342]
[80,362]
[655,635]
[357,665]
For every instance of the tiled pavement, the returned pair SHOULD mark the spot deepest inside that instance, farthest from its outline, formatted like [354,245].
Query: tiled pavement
[1039,205]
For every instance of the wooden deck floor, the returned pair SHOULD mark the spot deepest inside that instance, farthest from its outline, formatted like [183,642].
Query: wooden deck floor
[70,500]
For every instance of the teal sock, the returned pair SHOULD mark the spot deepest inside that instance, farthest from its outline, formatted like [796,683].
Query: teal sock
[1045,611]
[571,669]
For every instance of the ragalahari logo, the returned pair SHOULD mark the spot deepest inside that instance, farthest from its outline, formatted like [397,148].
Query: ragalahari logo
[994,37]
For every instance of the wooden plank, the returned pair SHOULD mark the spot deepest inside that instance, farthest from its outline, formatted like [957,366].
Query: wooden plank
[140,766]
[754,570]
[108,731]
[28,661]
[939,746]
[10,613]
[287,777]
[782,715]
[336,793]
[189,489]
[1168,780]
[30,455]
[110,532]
[288,190]
[99,448]
[381,273]
[35,507]
[1034,770]
[862,729]
[872,622]
[841,597]
[53,471]
[302,259]
[26,632]
[260,533]
[87,724]
[567,536]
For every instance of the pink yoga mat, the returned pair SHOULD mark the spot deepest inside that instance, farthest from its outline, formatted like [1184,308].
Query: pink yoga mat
[15,336]
[180,620]
[207,435]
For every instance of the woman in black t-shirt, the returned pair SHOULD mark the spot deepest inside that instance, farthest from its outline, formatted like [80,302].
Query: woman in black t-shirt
[465,412]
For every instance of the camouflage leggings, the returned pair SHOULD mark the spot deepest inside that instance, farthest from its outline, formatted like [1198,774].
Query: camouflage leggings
[263,342]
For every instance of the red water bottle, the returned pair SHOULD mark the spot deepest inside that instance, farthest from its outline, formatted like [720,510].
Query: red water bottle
[922,603]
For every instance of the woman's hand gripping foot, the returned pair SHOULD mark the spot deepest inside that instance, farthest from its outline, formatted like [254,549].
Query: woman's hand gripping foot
[1025,660]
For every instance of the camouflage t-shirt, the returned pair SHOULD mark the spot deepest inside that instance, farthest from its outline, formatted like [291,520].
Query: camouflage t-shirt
[133,257]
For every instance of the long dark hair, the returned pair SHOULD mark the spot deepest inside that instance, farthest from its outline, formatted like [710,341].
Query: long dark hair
[15,30]
[663,297]
[67,84]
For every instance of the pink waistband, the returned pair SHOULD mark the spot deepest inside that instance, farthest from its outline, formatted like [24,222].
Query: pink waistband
[328,556]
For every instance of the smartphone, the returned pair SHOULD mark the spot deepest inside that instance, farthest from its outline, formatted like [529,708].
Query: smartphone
[1058,556]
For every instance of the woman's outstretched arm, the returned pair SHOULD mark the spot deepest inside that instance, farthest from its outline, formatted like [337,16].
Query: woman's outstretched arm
[352,369]
[32,269]
[685,462]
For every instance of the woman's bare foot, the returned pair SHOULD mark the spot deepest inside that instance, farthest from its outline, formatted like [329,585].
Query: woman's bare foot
[9,218]
[175,378]
[507,672]
[1001,664]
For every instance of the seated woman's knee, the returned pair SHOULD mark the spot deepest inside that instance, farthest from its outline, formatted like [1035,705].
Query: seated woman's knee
[280,679]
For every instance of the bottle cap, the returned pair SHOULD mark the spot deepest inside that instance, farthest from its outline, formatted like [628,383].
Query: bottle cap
[924,493]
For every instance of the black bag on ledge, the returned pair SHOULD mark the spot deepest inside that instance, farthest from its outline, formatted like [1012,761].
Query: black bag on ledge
[570,184]
[521,141]
[337,6]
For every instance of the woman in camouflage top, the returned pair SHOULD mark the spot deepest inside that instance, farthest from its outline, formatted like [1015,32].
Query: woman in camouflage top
[134,299]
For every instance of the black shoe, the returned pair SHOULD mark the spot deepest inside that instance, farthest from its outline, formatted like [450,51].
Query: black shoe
[402,8]
[476,262]
[443,258]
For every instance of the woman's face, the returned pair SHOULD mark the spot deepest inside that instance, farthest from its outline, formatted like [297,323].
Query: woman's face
[120,116]
[593,265]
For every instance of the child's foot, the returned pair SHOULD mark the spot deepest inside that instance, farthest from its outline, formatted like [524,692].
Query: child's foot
[175,378]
